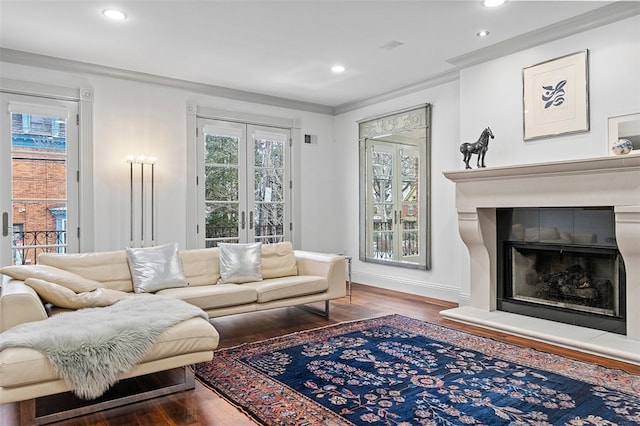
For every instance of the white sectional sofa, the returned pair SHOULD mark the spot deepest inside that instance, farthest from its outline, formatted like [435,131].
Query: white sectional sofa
[289,278]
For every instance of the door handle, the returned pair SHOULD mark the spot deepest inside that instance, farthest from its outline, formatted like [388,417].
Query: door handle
[242,221]
[251,220]
[5,224]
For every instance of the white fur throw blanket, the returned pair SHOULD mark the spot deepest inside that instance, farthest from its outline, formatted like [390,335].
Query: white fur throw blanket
[92,347]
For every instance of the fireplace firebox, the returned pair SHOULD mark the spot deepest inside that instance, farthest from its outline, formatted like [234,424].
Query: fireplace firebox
[561,264]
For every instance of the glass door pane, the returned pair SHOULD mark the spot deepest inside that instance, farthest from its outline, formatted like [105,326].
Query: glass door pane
[39,154]
[224,215]
[39,185]
[382,194]
[270,191]
[409,170]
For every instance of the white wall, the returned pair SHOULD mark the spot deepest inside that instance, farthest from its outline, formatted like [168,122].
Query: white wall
[146,119]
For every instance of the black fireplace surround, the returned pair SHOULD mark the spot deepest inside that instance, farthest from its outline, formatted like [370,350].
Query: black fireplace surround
[561,264]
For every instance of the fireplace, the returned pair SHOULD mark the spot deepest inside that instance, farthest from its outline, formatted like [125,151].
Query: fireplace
[561,264]
[612,185]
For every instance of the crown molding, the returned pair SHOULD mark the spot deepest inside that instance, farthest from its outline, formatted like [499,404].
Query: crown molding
[435,80]
[50,62]
[605,15]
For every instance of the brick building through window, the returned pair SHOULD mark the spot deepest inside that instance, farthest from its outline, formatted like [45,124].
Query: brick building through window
[39,185]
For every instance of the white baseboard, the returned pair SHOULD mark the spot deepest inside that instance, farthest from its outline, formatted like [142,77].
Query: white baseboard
[464,299]
[404,285]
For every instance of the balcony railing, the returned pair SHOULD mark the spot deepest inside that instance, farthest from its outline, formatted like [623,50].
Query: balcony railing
[383,243]
[266,234]
[27,245]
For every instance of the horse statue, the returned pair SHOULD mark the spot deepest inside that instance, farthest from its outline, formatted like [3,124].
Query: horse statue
[479,147]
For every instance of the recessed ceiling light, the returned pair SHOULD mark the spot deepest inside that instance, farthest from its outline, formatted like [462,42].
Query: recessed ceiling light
[114,14]
[482,33]
[493,3]
[337,69]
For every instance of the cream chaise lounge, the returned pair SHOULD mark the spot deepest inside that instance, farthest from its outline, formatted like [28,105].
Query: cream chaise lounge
[289,278]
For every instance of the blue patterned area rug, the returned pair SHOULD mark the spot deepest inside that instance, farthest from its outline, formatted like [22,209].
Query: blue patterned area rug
[395,370]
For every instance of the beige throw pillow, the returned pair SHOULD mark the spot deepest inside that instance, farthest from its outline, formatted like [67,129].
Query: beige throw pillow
[109,268]
[240,263]
[72,281]
[278,260]
[201,266]
[62,297]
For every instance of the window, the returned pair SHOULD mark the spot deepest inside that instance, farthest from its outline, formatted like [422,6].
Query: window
[243,183]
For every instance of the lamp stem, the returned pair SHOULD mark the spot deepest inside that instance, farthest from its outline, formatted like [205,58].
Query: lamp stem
[141,204]
[131,202]
[153,235]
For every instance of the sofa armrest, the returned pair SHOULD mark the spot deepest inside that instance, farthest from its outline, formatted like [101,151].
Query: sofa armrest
[330,266]
[19,303]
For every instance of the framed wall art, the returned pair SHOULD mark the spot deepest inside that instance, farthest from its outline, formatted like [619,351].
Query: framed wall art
[556,96]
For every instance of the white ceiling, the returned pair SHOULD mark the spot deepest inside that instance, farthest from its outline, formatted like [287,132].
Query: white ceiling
[283,48]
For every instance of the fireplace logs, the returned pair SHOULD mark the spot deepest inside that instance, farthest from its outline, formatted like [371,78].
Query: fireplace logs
[574,285]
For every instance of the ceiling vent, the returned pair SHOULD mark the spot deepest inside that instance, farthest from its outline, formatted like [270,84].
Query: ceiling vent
[393,44]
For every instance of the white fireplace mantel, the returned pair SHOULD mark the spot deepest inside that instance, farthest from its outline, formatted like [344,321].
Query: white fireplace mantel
[607,181]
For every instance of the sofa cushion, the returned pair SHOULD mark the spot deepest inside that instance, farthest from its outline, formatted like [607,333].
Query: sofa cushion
[240,263]
[62,297]
[21,366]
[214,296]
[155,268]
[110,268]
[287,287]
[73,282]
[278,260]
[201,266]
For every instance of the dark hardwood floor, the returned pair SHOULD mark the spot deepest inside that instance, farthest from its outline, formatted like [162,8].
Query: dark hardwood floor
[203,407]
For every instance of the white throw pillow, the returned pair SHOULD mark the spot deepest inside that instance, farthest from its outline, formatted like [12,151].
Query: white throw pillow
[240,263]
[155,268]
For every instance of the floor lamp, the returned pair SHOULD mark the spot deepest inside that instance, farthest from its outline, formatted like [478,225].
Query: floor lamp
[149,199]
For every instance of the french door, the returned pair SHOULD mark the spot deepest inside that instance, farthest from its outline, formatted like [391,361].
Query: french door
[243,183]
[393,196]
[38,183]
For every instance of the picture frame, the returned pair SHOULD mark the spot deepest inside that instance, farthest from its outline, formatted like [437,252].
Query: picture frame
[555,97]
[624,127]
